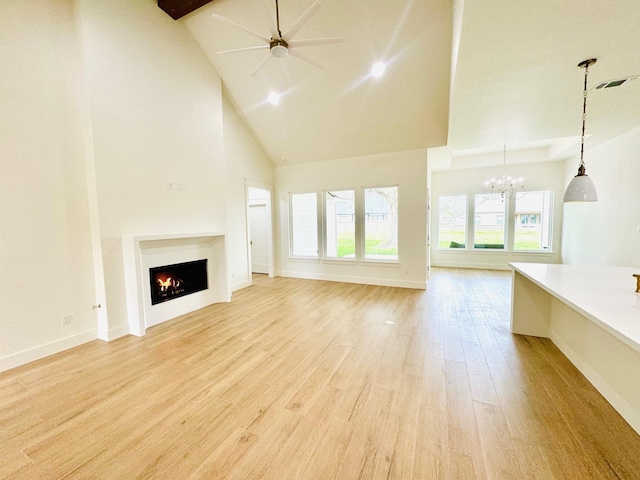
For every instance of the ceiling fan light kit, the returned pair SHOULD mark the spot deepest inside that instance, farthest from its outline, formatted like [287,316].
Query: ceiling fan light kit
[581,188]
[279,48]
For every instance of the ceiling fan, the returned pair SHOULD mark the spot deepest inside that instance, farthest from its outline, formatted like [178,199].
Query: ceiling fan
[281,45]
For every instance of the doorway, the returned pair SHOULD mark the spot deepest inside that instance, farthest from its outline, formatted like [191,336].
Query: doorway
[260,233]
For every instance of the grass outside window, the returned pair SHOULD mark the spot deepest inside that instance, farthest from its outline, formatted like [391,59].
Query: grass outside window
[526,240]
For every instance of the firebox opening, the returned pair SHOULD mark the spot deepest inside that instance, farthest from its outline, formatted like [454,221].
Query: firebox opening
[173,281]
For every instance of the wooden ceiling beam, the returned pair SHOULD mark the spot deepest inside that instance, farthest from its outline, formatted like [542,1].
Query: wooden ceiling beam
[179,8]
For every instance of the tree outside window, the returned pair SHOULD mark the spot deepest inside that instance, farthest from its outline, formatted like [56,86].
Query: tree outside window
[452,221]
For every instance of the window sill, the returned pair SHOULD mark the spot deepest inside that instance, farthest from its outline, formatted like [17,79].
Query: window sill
[533,252]
[340,260]
[370,262]
[304,259]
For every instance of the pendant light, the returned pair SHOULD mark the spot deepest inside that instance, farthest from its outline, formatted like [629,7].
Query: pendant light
[581,188]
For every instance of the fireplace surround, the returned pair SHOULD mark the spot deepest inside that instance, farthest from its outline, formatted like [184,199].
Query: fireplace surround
[145,253]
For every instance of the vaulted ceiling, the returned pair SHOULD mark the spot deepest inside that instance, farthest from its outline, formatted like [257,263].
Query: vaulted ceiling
[464,75]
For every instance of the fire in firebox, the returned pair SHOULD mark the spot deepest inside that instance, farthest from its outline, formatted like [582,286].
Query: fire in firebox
[172,281]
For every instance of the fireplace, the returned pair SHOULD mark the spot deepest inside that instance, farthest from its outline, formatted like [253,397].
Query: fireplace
[144,255]
[169,282]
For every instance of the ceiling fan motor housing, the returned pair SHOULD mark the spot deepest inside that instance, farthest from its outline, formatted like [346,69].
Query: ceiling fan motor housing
[279,48]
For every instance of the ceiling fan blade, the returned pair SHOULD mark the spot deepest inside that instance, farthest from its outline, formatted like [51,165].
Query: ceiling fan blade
[304,18]
[245,49]
[304,58]
[242,27]
[270,21]
[261,65]
[287,72]
[315,41]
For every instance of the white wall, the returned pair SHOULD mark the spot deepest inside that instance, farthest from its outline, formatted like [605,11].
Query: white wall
[407,169]
[538,176]
[245,162]
[606,232]
[156,117]
[45,245]
[103,103]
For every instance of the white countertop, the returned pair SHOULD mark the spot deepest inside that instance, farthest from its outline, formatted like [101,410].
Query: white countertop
[605,295]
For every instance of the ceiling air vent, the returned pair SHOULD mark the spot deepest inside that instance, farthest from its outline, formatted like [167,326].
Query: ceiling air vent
[618,82]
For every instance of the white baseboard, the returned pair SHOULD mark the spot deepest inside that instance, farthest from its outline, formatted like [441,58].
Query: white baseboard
[240,285]
[480,266]
[383,282]
[41,351]
[117,332]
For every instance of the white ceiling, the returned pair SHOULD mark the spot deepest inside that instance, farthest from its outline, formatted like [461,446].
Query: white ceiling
[515,77]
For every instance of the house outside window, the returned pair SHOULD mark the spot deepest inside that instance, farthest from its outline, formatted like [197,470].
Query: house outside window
[533,221]
[381,223]
[340,225]
[489,226]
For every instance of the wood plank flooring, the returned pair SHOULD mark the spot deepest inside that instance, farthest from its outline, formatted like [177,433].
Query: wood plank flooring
[300,379]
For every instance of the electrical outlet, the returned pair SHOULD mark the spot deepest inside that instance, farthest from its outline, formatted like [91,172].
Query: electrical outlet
[66,319]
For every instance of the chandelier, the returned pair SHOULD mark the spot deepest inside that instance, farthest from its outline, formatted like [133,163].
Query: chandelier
[505,185]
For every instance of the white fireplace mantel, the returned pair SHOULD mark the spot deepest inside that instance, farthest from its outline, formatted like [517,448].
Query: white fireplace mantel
[140,252]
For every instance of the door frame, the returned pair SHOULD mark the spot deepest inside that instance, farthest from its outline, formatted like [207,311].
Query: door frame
[248,183]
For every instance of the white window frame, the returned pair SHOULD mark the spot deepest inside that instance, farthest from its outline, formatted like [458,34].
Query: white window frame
[550,224]
[363,237]
[291,233]
[321,219]
[468,209]
[324,248]
[506,226]
[509,227]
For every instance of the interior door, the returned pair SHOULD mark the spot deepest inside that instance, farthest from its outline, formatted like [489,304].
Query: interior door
[258,228]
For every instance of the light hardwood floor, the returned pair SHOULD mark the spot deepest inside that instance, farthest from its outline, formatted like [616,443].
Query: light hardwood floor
[300,379]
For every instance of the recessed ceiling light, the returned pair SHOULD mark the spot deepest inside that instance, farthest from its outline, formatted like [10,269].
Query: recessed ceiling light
[274,98]
[378,69]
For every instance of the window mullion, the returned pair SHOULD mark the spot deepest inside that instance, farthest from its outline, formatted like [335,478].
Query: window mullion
[359,227]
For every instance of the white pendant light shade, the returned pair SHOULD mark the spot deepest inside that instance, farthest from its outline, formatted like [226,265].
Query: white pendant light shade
[581,189]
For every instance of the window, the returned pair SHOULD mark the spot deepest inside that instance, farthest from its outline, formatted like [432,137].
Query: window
[357,224]
[340,225]
[533,221]
[489,228]
[381,223]
[452,221]
[304,224]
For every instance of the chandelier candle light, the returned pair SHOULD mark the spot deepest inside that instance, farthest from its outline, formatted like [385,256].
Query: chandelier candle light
[581,188]
[506,185]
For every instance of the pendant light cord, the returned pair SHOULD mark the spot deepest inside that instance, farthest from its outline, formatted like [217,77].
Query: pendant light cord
[581,167]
